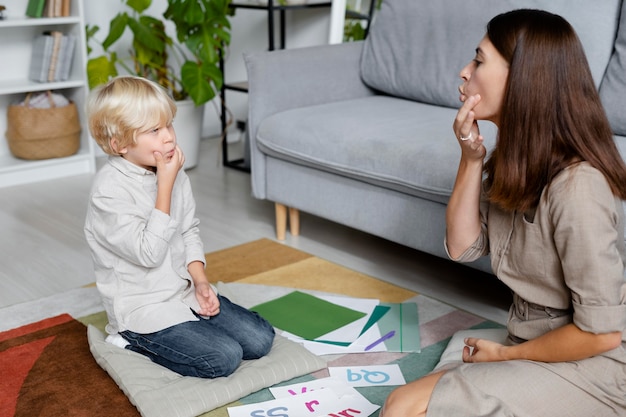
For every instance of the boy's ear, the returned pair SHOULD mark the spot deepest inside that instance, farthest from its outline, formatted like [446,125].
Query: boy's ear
[115,146]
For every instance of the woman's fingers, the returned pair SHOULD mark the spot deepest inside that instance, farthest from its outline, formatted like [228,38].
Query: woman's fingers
[465,125]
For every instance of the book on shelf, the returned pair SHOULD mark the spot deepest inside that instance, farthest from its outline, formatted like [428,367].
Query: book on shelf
[57,8]
[40,58]
[51,57]
[66,7]
[48,8]
[57,39]
[35,8]
[66,57]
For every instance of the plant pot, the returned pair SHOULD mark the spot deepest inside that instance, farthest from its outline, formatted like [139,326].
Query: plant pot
[188,127]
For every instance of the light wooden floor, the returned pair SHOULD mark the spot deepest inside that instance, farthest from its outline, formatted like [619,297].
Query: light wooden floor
[43,251]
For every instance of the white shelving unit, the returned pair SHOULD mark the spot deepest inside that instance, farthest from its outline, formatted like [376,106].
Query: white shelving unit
[17,33]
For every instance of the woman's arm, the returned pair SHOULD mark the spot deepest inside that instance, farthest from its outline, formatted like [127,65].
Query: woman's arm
[463,212]
[588,232]
[567,343]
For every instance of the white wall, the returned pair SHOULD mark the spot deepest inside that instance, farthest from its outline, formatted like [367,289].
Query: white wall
[305,27]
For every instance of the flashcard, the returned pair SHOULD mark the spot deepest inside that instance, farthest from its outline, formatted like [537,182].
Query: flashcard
[323,402]
[353,406]
[339,387]
[351,402]
[368,376]
[314,403]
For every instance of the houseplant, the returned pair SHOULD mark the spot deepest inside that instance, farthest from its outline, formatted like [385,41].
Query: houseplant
[189,71]
[357,21]
[188,68]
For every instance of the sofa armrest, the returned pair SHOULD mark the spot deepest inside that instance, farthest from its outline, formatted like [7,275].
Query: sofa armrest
[287,79]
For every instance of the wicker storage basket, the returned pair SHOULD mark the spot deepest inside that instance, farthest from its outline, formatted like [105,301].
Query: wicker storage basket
[35,133]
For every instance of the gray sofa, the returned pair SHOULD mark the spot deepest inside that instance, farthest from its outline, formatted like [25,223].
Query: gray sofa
[361,133]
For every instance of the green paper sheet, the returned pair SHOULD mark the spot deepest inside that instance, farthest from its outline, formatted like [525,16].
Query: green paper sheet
[305,315]
[403,318]
[379,311]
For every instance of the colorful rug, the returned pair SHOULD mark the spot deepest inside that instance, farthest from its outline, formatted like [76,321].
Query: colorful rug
[47,368]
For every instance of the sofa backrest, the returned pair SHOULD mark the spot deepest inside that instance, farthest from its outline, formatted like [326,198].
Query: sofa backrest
[416,48]
[613,88]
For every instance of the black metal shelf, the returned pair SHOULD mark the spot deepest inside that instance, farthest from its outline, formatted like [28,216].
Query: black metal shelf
[241,86]
[271,6]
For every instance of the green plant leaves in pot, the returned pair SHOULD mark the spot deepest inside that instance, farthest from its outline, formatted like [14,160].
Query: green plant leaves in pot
[188,69]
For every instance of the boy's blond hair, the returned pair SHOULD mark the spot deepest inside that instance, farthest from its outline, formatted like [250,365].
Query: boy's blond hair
[124,106]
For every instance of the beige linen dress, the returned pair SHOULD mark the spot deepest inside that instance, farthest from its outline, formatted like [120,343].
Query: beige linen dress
[564,263]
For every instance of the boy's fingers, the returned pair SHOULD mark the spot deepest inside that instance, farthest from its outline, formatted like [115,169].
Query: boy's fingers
[158,156]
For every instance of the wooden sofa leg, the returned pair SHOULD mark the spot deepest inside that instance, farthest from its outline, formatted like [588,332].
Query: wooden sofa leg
[294,221]
[281,220]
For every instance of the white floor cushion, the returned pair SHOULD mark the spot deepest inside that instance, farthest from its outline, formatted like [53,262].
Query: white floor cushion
[159,392]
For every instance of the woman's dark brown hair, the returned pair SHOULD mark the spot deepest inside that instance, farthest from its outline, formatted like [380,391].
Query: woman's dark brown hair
[551,115]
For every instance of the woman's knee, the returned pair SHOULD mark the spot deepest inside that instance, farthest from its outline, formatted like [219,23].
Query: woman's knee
[411,400]
[398,404]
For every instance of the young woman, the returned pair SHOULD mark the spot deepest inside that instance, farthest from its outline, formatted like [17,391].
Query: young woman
[549,213]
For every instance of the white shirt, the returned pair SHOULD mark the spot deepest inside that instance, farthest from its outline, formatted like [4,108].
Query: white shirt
[141,254]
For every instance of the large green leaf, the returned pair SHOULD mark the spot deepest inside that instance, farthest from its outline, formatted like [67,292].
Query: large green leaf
[148,31]
[196,80]
[194,13]
[207,42]
[100,70]
[139,5]
[116,29]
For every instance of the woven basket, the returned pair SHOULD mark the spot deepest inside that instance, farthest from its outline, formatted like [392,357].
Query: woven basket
[34,133]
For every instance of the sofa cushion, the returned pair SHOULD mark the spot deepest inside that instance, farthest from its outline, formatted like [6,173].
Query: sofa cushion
[416,48]
[396,143]
[613,88]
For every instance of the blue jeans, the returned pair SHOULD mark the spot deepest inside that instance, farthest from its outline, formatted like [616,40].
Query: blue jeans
[208,348]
